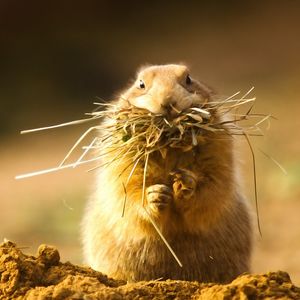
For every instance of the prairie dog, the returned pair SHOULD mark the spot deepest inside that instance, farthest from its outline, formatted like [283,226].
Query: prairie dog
[194,197]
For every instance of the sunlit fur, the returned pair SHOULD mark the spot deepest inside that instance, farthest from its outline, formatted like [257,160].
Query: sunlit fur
[209,229]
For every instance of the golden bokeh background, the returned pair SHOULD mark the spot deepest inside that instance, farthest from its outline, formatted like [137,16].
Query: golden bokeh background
[57,56]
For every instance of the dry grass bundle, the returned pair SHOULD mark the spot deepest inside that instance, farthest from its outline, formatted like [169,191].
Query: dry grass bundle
[140,132]
[132,134]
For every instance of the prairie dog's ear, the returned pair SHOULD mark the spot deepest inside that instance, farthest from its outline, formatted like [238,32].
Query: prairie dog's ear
[205,90]
[142,68]
[182,63]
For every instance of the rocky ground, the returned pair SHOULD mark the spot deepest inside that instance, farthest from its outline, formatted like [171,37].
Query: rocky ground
[45,277]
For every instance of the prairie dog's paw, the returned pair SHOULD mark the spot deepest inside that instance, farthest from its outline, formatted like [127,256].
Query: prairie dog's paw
[158,197]
[184,184]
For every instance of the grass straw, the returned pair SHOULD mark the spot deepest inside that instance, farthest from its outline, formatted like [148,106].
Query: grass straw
[150,218]
[81,138]
[255,182]
[144,179]
[55,169]
[125,185]
[163,238]
[125,200]
[86,150]
[77,122]
[283,170]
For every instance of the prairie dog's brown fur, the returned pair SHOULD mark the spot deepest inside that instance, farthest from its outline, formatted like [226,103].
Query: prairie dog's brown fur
[194,197]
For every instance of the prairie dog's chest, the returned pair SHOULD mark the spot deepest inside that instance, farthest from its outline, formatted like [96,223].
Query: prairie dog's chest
[159,168]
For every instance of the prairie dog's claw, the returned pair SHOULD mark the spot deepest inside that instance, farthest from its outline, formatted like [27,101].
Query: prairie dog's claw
[158,196]
[184,184]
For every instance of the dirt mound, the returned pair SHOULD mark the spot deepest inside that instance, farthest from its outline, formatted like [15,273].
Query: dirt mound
[45,277]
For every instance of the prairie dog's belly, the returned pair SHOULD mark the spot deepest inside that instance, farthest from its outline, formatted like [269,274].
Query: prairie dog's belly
[126,252]
[159,169]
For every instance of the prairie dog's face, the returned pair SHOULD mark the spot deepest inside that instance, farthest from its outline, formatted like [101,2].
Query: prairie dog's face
[166,89]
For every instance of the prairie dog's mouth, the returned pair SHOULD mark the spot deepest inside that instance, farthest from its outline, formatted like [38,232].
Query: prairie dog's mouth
[170,111]
[168,105]
[196,113]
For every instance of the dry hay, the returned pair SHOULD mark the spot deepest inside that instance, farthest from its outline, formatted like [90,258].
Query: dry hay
[140,132]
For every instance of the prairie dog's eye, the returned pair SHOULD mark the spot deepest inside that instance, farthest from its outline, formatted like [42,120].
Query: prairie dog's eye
[188,80]
[141,84]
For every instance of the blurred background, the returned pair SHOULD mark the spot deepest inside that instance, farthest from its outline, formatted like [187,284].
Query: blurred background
[56,57]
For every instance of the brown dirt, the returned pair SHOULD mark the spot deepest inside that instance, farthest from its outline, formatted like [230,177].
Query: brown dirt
[45,277]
